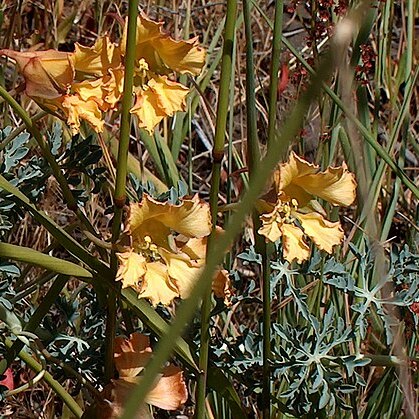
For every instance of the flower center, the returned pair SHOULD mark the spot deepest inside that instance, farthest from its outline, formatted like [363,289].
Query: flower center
[284,211]
[141,71]
[149,249]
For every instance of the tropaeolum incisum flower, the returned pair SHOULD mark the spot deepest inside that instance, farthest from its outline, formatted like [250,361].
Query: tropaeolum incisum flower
[167,250]
[131,356]
[80,85]
[157,56]
[296,214]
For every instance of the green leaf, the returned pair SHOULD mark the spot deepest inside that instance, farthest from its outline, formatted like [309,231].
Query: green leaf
[33,257]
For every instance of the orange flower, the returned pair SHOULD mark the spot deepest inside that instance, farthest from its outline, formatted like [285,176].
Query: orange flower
[131,355]
[296,214]
[158,55]
[167,252]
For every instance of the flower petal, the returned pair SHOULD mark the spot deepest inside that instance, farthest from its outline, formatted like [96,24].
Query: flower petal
[147,110]
[170,95]
[96,60]
[131,355]
[185,57]
[156,219]
[336,185]
[162,53]
[113,86]
[132,268]
[183,271]
[293,245]
[325,234]
[170,392]
[47,73]
[301,180]
[157,286]
[271,225]
[112,403]
[76,109]
[195,248]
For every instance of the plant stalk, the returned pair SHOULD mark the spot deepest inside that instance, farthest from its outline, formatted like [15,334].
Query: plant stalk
[217,154]
[121,179]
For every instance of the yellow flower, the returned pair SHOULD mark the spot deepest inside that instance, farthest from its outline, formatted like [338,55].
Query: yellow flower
[131,355]
[156,265]
[296,214]
[158,55]
[168,250]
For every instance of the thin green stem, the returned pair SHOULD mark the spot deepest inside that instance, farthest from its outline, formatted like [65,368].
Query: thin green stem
[121,178]
[187,309]
[274,71]
[58,174]
[217,154]
[58,389]
[35,320]
[266,271]
[253,151]
[253,158]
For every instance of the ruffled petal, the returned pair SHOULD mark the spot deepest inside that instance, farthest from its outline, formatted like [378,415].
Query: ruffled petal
[131,355]
[336,185]
[114,397]
[76,109]
[185,57]
[271,225]
[170,392]
[293,245]
[96,60]
[157,286]
[294,168]
[162,53]
[195,248]
[170,95]
[183,271]
[300,180]
[191,218]
[147,110]
[132,268]
[325,234]
[113,86]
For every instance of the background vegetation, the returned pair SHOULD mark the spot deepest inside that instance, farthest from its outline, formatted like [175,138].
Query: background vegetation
[334,336]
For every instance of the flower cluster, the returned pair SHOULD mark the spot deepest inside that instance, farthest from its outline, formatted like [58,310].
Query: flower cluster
[83,84]
[131,356]
[297,214]
[167,250]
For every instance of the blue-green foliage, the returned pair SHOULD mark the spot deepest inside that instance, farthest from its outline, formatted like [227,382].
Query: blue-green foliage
[313,369]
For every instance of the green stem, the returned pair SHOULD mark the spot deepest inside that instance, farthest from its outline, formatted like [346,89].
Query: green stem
[253,158]
[275,63]
[266,285]
[58,174]
[187,309]
[35,320]
[121,178]
[217,154]
[55,385]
